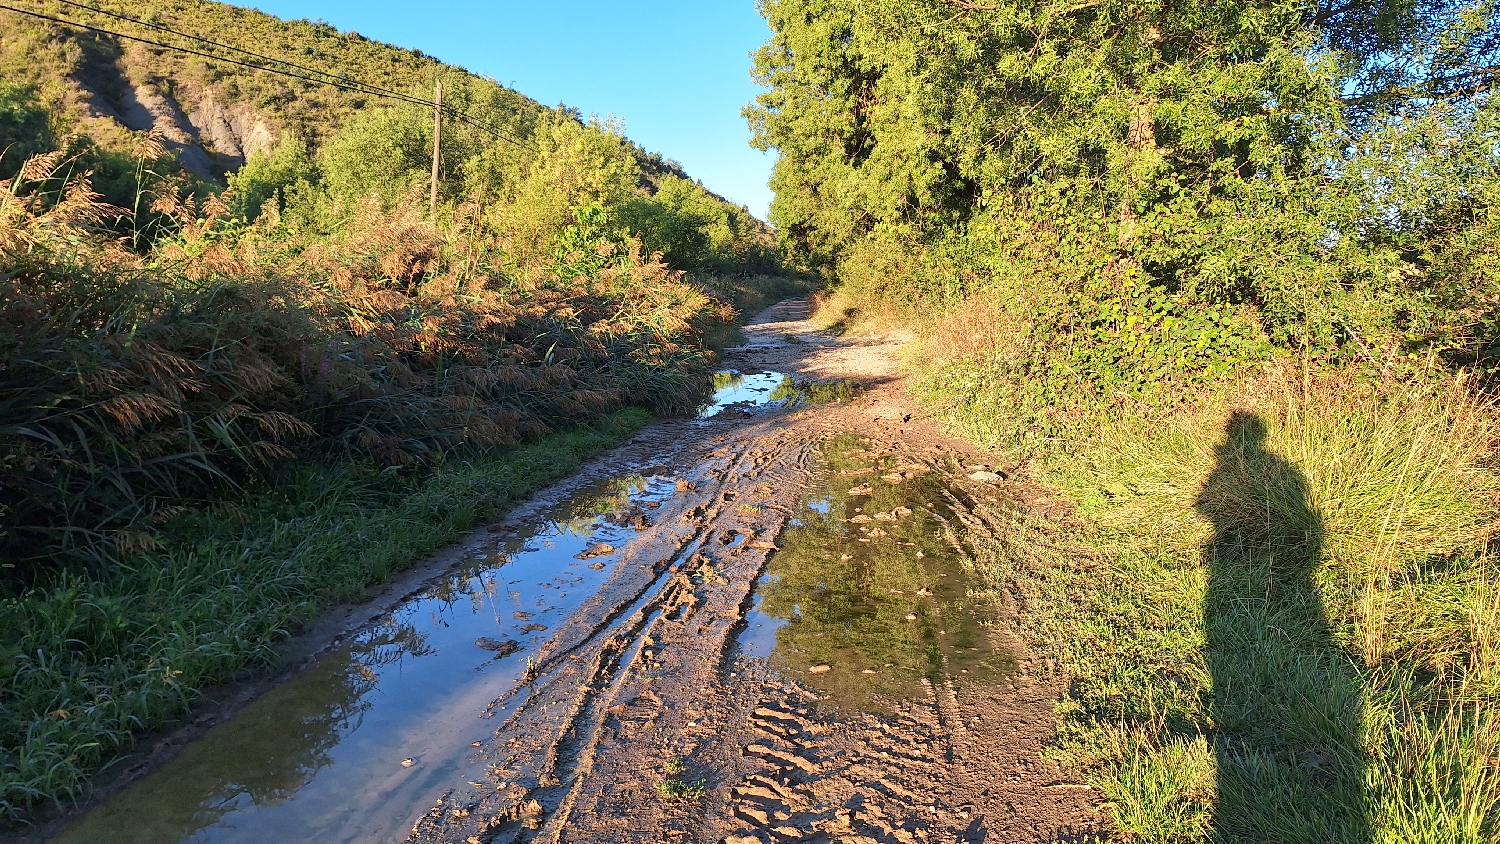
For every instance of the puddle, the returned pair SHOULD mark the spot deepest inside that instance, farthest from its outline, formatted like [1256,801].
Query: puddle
[322,757]
[734,389]
[865,584]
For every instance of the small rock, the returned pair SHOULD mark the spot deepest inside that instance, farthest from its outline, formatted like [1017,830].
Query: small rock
[901,512]
[596,566]
[893,478]
[911,616]
[924,592]
[596,550]
[407,763]
[501,647]
[684,486]
[985,477]
[820,669]
[476,744]
[859,519]
[862,489]
[532,628]
[868,671]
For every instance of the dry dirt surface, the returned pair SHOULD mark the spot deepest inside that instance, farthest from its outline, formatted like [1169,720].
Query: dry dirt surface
[642,721]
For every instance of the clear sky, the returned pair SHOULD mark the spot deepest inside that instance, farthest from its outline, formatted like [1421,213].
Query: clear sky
[677,72]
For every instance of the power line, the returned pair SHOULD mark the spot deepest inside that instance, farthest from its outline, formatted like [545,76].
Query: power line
[334,81]
[201,39]
[362,87]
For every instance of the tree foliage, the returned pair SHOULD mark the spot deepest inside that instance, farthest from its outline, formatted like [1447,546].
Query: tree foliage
[1154,190]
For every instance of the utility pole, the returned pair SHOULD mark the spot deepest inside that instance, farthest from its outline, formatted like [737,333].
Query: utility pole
[437,145]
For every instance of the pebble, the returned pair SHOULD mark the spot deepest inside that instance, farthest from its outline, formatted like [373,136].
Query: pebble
[820,669]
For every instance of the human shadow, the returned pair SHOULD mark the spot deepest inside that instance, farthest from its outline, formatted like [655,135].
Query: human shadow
[1286,705]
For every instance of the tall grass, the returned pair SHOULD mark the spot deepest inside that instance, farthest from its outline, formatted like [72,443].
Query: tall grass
[138,384]
[1279,619]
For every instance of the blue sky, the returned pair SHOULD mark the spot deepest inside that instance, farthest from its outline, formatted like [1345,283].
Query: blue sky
[677,72]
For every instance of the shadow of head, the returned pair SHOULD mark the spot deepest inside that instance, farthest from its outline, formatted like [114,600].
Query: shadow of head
[1254,496]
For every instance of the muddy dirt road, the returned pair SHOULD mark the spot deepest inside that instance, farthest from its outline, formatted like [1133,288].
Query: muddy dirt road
[661,713]
[772,636]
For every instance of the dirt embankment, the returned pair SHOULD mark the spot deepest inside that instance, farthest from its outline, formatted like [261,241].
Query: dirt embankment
[643,721]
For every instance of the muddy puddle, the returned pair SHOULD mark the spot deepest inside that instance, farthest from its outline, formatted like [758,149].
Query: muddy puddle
[742,390]
[866,599]
[358,745]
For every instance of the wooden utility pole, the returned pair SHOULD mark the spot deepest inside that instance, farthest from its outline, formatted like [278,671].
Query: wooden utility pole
[437,144]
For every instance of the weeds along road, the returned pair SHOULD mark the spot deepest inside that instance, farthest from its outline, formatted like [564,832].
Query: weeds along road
[665,710]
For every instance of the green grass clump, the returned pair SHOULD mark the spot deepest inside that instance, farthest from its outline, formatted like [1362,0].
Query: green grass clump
[674,787]
[1278,620]
[90,658]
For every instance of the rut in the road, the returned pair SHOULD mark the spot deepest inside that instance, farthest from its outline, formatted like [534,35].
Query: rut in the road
[644,722]
[685,579]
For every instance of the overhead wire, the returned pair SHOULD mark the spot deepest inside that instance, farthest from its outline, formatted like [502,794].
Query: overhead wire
[361,85]
[331,80]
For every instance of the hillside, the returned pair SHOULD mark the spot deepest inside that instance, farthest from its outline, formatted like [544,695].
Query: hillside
[213,115]
[216,113]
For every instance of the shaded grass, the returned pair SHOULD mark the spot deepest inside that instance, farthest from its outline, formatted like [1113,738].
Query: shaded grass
[91,658]
[1279,639]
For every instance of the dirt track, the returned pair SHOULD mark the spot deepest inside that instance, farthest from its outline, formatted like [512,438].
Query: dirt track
[643,690]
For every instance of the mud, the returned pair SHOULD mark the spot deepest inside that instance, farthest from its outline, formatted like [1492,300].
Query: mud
[687,703]
[772,636]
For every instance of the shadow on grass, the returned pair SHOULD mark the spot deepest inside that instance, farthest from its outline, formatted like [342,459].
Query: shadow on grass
[1286,704]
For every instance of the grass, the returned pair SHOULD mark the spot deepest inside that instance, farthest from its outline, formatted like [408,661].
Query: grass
[1275,614]
[674,787]
[91,659]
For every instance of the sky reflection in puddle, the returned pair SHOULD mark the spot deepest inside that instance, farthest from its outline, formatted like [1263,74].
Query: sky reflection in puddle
[320,757]
[733,388]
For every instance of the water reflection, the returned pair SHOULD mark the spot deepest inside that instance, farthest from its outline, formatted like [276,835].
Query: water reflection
[865,585]
[320,757]
[738,389]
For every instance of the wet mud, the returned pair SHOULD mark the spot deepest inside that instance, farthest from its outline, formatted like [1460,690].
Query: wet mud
[867,597]
[757,624]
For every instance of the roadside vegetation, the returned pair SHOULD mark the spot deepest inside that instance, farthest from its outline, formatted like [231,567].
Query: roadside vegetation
[226,405]
[1225,279]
